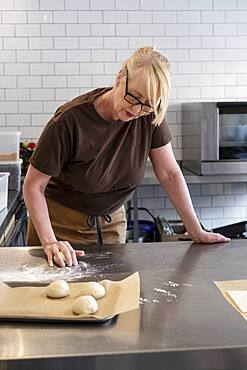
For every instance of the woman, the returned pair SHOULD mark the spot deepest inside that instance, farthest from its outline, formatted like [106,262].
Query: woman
[92,155]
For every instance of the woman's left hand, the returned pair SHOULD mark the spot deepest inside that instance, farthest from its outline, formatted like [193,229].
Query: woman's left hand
[207,237]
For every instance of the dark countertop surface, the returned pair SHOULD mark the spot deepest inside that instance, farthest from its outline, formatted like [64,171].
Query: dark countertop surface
[14,197]
[183,323]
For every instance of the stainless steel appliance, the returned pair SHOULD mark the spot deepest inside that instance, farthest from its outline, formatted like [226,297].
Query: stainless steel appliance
[215,137]
[15,232]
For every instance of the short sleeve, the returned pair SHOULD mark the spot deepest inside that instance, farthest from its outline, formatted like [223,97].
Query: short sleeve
[53,148]
[161,135]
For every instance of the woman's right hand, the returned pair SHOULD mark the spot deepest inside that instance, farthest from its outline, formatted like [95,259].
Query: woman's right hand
[52,250]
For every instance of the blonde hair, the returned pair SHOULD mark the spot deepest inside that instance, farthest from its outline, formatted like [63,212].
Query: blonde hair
[156,70]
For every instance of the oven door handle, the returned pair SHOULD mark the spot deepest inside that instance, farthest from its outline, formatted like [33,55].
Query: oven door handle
[21,217]
[217,133]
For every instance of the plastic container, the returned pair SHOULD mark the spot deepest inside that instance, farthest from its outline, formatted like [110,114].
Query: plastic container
[4,176]
[14,168]
[9,145]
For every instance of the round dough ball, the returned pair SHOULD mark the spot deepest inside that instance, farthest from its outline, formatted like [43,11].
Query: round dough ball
[62,256]
[58,289]
[85,304]
[94,289]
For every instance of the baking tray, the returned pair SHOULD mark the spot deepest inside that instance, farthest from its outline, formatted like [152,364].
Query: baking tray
[31,303]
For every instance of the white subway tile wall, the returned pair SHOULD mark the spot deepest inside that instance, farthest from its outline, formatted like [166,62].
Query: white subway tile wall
[215,204]
[53,50]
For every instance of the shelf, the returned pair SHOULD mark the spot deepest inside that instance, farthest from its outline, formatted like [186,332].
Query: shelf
[190,178]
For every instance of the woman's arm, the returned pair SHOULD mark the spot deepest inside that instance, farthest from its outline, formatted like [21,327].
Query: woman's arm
[171,178]
[33,191]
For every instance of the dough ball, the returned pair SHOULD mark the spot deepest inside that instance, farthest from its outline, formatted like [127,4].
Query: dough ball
[58,289]
[94,289]
[85,304]
[62,256]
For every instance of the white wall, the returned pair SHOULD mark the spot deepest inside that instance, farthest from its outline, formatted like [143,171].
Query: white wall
[53,50]
[215,204]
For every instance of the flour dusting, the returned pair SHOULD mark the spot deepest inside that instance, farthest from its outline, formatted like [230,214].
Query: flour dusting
[42,273]
[142,300]
[171,284]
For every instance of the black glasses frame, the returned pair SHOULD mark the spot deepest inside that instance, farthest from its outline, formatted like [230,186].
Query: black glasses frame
[148,109]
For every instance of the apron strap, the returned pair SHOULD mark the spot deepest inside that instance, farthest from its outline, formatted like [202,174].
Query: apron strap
[93,222]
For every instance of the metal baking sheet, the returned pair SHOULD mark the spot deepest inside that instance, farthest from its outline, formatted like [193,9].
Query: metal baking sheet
[32,303]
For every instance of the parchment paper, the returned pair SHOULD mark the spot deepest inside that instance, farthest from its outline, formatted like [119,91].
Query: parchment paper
[234,285]
[32,302]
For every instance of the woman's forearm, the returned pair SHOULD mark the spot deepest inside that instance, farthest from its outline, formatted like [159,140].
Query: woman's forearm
[177,190]
[38,211]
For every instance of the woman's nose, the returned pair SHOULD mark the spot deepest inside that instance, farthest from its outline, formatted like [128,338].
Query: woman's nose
[136,108]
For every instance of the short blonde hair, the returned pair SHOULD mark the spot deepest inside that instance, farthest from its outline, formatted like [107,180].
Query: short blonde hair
[156,69]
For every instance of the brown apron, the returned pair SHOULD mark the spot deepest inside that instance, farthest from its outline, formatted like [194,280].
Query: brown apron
[71,225]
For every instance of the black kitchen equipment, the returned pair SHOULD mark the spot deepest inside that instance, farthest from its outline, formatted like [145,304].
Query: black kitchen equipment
[174,230]
[147,228]
[170,230]
[130,236]
[233,231]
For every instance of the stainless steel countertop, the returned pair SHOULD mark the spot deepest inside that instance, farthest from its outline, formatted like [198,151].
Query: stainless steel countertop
[188,326]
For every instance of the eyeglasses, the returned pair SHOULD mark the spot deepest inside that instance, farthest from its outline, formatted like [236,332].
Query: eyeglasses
[133,100]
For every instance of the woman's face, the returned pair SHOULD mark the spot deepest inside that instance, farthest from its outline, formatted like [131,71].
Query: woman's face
[136,86]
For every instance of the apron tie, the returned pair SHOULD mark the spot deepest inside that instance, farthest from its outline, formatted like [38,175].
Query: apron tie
[93,222]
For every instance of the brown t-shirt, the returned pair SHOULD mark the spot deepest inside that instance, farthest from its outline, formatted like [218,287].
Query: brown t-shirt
[95,164]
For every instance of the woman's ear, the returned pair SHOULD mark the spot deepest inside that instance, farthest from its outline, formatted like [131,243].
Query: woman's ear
[119,76]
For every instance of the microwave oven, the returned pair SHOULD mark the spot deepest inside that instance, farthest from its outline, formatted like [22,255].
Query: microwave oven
[214,140]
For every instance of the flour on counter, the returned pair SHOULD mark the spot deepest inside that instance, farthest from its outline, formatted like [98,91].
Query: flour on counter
[187,284]
[142,300]
[171,284]
[42,273]
[161,290]
[171,297]
[165,294]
